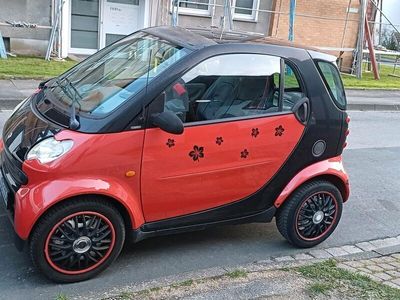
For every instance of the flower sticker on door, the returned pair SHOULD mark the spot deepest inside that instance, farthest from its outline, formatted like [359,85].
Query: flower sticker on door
[170,143]
[197,153]
[279,130]
[219,141]
[244,153]
[255,132]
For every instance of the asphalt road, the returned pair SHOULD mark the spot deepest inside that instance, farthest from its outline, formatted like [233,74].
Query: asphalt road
[372,160]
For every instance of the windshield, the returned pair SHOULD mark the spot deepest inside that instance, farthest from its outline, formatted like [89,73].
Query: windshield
[107,79]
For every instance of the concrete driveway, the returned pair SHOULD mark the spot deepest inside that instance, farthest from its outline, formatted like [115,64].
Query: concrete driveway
[372,160]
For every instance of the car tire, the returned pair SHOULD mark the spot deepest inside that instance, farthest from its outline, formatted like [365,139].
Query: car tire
[310,214]
[78,239]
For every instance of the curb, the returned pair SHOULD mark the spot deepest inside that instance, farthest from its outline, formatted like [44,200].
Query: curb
[373,107]
[362,250]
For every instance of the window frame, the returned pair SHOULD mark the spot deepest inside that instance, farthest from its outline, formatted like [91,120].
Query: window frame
[194,11]
[243,17]
[159,107]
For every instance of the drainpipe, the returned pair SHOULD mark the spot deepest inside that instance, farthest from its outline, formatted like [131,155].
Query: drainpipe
[292,14]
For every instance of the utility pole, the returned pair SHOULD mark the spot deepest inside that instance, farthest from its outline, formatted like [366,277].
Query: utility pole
[361,38]
[292,14]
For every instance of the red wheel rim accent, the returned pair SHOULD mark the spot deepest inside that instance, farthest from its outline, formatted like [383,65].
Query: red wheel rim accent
[65,244]
[324,202]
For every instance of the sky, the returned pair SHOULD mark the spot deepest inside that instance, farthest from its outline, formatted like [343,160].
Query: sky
[391,8]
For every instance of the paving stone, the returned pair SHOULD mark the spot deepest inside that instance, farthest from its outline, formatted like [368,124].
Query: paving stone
[388,259]
[317,253]
[395,274]
[364,270]
[337,251]
[396,281]
[396,256]
[303,256]
[396,264]
[366,246]
[384,242]
[374,268]
[391,284]
[284,258]
[346,267]
[388,250]
[377,279]
[386,266]
[355,263]
[352,249]
[383,276]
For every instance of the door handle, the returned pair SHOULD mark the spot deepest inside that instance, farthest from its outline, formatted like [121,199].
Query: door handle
[301,110]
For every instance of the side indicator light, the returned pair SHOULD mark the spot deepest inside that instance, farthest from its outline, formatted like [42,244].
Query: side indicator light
[347,132]
[130,173]
[348,120]
[344,145]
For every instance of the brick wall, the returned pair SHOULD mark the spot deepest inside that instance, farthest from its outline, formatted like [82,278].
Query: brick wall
[318,31]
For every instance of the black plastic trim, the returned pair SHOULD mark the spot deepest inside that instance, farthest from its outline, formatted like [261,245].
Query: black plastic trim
[173,226]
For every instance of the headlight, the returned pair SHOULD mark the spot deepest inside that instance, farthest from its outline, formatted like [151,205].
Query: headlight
[49,150]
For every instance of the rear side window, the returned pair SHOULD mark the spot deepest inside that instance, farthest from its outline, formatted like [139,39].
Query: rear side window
[334,84]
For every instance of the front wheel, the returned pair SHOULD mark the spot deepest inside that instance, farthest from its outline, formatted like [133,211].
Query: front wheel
[77,240]
[310,214]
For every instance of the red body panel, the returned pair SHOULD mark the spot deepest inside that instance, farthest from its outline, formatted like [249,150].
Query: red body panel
[97,164]
[333,166]
[212,165]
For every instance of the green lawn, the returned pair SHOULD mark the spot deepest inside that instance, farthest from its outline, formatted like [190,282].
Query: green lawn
[32,67]
[38,68]
[368,81]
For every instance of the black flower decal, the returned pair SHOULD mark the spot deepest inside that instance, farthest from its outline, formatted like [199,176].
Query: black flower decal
[255,132]
[198,152]
[219,140]
[170,143]
[244,153]
[279,130]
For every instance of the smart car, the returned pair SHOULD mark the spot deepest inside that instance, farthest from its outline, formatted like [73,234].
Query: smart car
[169,130]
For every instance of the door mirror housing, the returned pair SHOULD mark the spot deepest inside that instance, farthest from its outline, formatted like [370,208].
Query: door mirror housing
[168,121]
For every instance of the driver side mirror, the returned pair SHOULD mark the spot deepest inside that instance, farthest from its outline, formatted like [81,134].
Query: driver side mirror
[168,121]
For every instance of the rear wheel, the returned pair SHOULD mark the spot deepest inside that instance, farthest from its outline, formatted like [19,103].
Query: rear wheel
[311,214]
[77,240]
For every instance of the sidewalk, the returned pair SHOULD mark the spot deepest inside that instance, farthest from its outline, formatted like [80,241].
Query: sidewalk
[14,90]
[365,270]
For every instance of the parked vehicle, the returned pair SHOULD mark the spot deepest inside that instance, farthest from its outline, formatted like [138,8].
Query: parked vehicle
[167,131]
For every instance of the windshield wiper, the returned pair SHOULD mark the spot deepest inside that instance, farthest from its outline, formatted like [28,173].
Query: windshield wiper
[73,122]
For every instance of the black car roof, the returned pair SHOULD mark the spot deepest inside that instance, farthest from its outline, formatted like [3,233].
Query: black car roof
[198,38]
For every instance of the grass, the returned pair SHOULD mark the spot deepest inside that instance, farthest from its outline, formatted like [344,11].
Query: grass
[328,278]
[368,81]
[22,67]
[61,297]
[236,274]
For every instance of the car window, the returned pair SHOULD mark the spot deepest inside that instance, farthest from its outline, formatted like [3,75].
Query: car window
[226,86]
[332,80]
[292,89]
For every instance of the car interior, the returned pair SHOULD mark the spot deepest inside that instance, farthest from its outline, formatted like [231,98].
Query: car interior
[217,97]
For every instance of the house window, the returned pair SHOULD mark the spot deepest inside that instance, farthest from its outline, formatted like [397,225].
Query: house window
[245,9]
[197,7]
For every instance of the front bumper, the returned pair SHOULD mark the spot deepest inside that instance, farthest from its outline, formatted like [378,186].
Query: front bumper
[7,198]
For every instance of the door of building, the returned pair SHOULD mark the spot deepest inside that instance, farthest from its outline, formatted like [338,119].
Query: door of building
[119,18]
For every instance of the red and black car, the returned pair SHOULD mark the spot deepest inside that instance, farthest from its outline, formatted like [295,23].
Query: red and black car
[167,131]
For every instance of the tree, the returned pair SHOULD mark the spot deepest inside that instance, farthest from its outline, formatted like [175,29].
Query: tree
[390,39]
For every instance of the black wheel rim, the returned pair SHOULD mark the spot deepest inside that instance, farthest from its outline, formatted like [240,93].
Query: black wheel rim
[80,243]
[316,216]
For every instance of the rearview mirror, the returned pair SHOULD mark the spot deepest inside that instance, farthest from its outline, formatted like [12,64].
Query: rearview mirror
[168,121]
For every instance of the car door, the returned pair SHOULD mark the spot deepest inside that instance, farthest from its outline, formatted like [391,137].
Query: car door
[237,135]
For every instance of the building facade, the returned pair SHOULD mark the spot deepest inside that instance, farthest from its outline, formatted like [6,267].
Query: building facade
[89,25]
